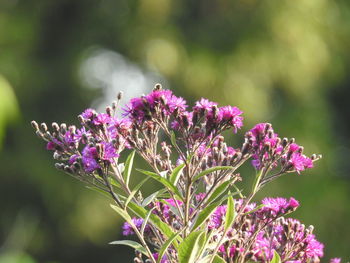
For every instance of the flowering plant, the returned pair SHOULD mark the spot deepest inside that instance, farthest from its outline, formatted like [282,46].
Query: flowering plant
[199,214]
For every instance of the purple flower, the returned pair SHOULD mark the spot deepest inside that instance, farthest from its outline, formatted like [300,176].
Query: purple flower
[300,162]
[293,203]
[135,109]
[232,251]
[101,119]
[258,129]
[54,145]
[155,97]
[88,114]
[183,121]
[279,205]
[79,133]
[314,249]
[90,164]
[204,104]
[73,158]
[109,152]
[200,196]
[263,247]
[294,147]
[176,103]
[163,260]
[256,162]
[50,146]
[128,230]
[217,217]
[89,159]
[69,138]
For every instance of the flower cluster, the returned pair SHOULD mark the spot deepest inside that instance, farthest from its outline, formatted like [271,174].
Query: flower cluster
[271,150]
[258,233]
[197,169]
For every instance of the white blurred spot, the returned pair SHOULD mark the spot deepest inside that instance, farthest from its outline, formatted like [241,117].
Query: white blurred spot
[110,71]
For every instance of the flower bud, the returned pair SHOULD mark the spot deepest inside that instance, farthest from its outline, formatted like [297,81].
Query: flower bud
[34,125]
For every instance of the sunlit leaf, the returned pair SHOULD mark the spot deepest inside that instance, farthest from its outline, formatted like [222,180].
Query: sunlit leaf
[145,220]
[175,175]
[211,170]
[132,244]
[276,258]
[217,259]
[163,181]
[173,138]
[218,191]
[204,215]
[123,214]
[134,191]
[128,167]
[230,213]
[150,198]
[191,247]
[166,246]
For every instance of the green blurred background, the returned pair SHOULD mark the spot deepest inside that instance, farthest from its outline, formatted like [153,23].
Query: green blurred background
[282,61]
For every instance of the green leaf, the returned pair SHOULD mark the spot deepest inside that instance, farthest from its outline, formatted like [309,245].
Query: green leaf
[257,181]
[128,167]
[173,138]
[230,213]
[132,244]
[255,209]
[204,215]
[172,208]
[151,197]
[132,194]
[166,245]
[211,170]
[191,247]
[163,181]
[217,259]
[276,258]
[145,220]
[189,157]
[239,192]
[114,182]
[123,214]
[175,175]
[218,191]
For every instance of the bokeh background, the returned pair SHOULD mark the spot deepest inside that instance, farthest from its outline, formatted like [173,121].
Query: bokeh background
[281,61]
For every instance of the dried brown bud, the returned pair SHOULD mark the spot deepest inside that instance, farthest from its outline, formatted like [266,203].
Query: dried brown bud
[34,125]
[301,149]
[157,87]
[59,166]
[81,119]
[284,142]
[55,126]
[109,111]
[43,127]
[120,95]
[63,128]
[72,128]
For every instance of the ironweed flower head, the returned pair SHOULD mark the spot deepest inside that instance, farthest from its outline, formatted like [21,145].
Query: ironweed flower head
[193,217]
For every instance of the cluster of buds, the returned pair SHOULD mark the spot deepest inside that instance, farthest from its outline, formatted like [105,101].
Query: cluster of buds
[259,232]
[269,150]
[188,153]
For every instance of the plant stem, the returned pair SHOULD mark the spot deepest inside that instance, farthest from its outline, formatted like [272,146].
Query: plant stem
[137,232]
